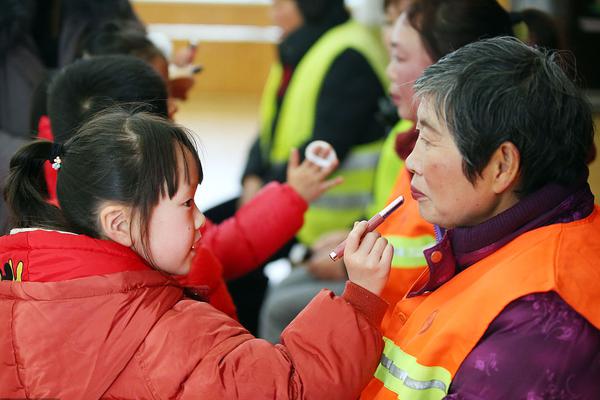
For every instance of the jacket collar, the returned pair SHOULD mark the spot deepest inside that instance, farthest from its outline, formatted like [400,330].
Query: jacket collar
[459,248]
[50,256]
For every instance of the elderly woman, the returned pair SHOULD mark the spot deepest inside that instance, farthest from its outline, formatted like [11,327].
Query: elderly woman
[509,305]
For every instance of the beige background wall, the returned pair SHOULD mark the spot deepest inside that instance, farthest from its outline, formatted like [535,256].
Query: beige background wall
[228,66]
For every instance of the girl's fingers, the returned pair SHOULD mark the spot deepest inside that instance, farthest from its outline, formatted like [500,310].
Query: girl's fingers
[379,247]
[388,254]
[377,250]
[353,239]
[367,243]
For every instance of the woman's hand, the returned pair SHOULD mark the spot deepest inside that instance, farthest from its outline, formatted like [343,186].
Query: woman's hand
[308,179]
[368,259]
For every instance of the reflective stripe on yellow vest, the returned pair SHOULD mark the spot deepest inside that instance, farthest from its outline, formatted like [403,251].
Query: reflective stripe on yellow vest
[344,204]
[402,374]
[432,334]
[388,167]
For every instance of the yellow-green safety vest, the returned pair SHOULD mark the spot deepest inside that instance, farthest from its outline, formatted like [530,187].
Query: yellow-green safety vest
[344,204]
[388,167]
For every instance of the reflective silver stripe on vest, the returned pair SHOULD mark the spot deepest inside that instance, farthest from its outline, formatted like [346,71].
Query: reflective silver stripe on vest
[343,201]
[360,160]
[411,251]
[407,380]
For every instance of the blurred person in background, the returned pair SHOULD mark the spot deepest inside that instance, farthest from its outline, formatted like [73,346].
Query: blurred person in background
[36,36]
[286,299]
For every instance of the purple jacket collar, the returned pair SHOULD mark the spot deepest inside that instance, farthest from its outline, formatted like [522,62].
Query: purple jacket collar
[459,248]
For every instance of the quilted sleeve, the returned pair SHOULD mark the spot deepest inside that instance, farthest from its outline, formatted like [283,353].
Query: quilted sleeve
[257,230]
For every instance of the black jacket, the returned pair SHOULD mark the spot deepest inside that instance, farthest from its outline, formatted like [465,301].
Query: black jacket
[347,105]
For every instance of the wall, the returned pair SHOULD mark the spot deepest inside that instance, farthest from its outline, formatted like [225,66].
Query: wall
[229,66]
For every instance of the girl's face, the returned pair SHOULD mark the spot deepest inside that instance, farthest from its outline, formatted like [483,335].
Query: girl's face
[286,15]
[444,194]
[408,60]
[174,224]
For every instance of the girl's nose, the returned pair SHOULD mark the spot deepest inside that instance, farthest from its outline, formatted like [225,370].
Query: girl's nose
[199,218]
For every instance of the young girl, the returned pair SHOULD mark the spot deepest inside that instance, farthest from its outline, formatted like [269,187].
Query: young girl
[90,306]
[229,249]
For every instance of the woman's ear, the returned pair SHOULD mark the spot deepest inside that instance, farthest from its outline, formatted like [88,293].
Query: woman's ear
[115,220]
[506,162]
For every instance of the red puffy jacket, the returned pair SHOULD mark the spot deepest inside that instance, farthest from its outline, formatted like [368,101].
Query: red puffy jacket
[90,319]
[237,245]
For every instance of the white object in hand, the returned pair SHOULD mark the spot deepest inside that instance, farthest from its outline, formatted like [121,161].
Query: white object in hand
[176,72]
[311,153]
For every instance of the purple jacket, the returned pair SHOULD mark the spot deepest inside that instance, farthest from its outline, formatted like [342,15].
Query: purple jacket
[538,347]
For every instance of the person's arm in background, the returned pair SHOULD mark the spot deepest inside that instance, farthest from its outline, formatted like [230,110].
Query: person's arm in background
[346,109]
[260,227]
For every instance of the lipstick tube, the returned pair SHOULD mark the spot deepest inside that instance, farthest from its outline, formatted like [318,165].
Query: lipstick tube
[372,224]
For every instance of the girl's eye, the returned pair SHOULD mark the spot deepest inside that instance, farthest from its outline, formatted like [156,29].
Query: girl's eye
[189,203]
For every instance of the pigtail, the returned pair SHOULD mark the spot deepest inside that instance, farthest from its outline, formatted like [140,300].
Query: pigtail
[26,193]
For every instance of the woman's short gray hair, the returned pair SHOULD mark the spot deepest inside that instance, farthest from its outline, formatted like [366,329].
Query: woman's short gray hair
[499,90]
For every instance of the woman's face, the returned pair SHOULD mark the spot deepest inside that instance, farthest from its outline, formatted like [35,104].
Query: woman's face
[392,12]
[444,194]
[408,60]
[286,15]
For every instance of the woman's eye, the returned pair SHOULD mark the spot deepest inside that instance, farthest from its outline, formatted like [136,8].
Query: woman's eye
[189,203]
[421,139]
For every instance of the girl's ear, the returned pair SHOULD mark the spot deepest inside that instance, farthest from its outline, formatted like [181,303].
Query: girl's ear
[115,220]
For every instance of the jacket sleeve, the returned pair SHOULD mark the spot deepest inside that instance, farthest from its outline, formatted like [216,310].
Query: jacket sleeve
[257,230]
[329,351]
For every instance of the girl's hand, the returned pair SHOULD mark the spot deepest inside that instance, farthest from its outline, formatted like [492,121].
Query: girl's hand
[368,259]
[308,179]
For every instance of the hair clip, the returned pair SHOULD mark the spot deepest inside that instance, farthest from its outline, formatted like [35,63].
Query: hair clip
[57,163]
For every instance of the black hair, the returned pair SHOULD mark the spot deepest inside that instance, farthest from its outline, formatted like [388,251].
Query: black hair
[120,156]
[86,87]
[447,25]
[120,37]
[498,90]
[315,12]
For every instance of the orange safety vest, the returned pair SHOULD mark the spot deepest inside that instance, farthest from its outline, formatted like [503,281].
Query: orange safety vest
[410,234]
[430,335]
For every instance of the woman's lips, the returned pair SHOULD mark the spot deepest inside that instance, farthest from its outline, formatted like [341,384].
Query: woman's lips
[416,194]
